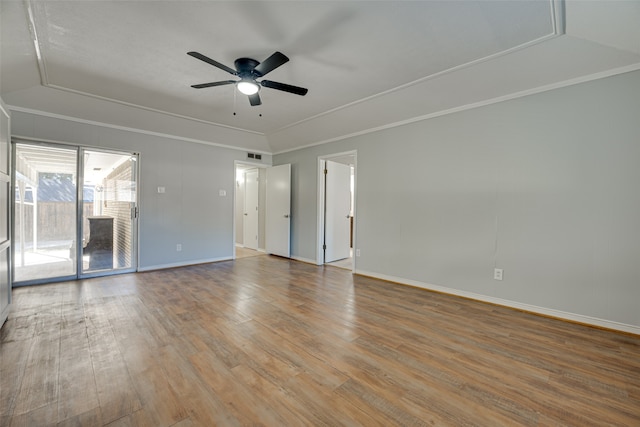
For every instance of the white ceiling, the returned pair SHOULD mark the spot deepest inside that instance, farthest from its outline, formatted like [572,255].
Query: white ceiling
[366,64]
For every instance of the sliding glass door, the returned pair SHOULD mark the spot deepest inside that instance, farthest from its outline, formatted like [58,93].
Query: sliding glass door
[109,211]
[45,232]
[75,212]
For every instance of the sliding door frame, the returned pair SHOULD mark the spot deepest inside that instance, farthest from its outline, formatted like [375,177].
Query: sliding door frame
[80,215]
[79,150]
[14,152]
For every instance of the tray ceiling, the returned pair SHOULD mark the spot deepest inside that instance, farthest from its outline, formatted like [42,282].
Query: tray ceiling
[346,52]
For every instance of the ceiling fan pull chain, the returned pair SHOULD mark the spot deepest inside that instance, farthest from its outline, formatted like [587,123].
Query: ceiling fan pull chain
[235,96]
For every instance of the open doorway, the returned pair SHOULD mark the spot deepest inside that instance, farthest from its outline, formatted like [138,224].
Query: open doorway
[336,209]
[274,209]
[249,210]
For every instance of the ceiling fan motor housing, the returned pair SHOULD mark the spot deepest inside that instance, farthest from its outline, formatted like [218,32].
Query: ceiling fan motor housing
[246,67]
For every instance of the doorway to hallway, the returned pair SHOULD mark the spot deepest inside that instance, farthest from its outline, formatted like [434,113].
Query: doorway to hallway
[273,208]
[249,208]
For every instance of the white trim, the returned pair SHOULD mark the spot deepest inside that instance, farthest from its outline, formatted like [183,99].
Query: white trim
[128,129]
[558,19]
[503,98]
[554,10]
[183,264]
[320,202]
[42,69]
[320,212]
[252,165]
[155,110]
[5,110]
[423,79]
[587,320]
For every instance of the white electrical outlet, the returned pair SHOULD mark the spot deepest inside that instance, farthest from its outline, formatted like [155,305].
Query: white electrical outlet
[222,193]
[178,247]
[161,190]
[357,252]
[497,273]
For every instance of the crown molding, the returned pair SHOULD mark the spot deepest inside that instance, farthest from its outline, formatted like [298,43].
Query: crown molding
[126,129]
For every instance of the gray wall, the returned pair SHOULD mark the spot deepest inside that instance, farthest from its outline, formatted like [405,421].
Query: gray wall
[191,212]
[544,187]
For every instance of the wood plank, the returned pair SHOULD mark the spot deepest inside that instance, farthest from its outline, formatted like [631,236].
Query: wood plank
[13,360]
[39,385]
[46,415]
[268,341]
[204,407]
[238,399]
[77,387]
[115,391]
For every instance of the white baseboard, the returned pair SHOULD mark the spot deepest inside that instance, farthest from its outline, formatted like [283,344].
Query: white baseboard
[183,264]
[579,318]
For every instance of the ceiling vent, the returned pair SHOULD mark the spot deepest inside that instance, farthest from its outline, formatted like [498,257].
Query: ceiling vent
[254,156]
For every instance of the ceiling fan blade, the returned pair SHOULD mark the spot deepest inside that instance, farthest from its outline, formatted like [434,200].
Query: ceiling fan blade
[254,99]
[222,83]
[208,60]
[271,63]
[284,87]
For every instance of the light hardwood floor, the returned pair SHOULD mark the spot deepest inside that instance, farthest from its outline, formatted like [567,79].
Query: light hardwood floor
[268,341]
[245,252]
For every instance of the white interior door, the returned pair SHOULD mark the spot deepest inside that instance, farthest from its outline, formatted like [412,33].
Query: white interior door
[250,230]
[278,211]
[337,215]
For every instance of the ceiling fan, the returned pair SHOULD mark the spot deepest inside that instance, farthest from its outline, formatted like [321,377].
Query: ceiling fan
[249,70]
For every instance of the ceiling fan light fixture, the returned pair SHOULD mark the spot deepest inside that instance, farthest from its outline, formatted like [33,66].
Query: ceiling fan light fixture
[249,70]
[248,87]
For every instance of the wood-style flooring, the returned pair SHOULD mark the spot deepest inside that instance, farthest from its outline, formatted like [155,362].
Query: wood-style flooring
[246,252]
[272,342]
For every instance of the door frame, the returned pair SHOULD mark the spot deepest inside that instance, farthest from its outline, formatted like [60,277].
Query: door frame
[250,165]
[320,203]
[80,215]
[79,149]
[14,153]
[245,217]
